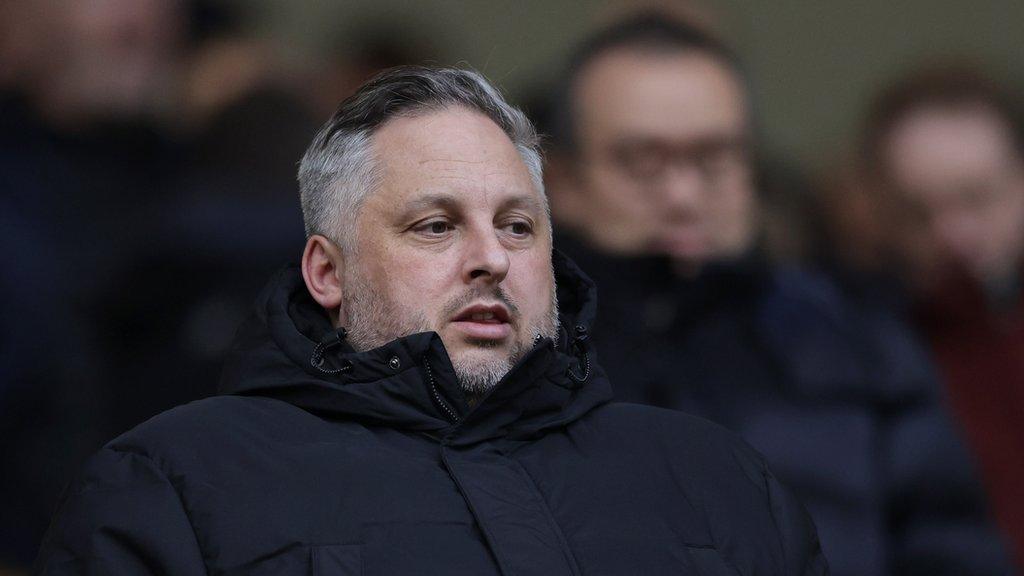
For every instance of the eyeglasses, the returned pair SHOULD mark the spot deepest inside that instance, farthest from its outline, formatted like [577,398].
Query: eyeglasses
[647,162]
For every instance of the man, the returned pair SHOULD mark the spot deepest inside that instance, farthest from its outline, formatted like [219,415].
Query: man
[655,174]
[946,148]
[419,396]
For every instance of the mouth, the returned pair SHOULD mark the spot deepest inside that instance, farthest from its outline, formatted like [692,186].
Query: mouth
[683,242]
[484,322]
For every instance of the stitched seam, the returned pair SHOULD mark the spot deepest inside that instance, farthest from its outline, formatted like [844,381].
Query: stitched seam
[162,467]
[566,550]
[499,555]
[771,511]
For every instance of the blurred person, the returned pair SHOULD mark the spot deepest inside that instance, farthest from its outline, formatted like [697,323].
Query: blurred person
[155,231]
[945,149]
[654,174]
[82,157]
[418,396]
[373,46]
[106,60]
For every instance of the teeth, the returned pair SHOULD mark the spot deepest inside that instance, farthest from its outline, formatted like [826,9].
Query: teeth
[483,316]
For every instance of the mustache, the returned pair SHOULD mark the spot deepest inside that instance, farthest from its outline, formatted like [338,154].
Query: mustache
[497,294]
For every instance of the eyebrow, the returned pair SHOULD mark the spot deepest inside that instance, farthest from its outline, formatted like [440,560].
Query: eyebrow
[428,201]
[526,201]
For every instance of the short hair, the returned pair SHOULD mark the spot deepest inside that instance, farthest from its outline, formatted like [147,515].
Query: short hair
[944,86]
[338,170]
[652,31]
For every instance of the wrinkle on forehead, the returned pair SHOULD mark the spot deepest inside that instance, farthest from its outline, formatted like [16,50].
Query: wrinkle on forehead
[456,160]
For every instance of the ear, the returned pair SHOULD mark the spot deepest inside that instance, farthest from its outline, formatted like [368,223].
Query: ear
[323,269]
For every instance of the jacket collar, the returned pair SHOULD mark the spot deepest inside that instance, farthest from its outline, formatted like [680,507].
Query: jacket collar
[287,350]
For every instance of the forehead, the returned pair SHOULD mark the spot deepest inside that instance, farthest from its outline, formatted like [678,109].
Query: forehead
[675,95]
[935,147]
[452,150]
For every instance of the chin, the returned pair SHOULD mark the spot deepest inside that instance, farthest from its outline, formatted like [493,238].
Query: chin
[479,369]
[482,351]
[687,249]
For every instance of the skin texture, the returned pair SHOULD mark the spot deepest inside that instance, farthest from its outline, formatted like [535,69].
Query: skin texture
[662,164]
[455,223]
[961,183]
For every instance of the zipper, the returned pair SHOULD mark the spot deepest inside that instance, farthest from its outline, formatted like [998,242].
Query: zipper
[438,399]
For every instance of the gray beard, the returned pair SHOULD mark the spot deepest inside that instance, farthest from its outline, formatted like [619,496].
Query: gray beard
[373,322]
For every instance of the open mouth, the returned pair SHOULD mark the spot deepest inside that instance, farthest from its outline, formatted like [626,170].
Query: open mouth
[484,322]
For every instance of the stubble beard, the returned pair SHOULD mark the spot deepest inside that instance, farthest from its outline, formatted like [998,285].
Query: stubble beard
[374,320]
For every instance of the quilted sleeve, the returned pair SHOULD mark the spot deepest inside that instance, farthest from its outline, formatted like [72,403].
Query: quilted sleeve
[800,546]
[122,516]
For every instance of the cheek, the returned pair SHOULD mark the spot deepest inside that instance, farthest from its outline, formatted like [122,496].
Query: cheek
[532,288]
[420,283]
[732,205]
[616,193]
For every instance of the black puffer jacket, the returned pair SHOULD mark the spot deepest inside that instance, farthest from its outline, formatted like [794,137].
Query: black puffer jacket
[382,468]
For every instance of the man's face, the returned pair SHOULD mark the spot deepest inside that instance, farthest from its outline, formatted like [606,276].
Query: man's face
[663,155]
[455,240]
[962,187]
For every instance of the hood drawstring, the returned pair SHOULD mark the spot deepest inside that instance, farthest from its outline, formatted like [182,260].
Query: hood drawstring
[579,349]
[330,340]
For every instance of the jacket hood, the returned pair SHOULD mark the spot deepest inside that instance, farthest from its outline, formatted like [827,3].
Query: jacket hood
[288,350]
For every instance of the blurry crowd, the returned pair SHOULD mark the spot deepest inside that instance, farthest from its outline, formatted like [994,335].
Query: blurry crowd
[863,329]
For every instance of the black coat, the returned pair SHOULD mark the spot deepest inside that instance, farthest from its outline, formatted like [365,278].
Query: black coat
[383,468]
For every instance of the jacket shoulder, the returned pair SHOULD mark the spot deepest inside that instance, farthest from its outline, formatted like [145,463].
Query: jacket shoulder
[208,427]
[674,431]
[740,497]
[687,443]
[830,342]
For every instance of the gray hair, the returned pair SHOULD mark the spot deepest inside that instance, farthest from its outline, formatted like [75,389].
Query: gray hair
[338,170]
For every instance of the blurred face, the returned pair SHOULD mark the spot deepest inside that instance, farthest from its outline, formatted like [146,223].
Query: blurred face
[664,164]
[456,240]
[963,187]
[111,57]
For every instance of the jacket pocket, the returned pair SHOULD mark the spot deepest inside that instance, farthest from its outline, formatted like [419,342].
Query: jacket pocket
[337,560]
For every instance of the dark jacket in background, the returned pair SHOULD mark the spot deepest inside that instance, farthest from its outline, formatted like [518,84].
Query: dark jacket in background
[130,257]
[382,468]
[838,397]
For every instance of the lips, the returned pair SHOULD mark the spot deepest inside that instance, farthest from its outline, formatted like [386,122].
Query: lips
[484,322]
[493,313]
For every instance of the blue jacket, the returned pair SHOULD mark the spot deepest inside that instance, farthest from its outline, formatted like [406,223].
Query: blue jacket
[320,460]
[835,392]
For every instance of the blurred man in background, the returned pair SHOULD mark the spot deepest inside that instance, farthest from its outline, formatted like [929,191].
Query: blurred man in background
[945,147]
[654,175]
[131,246]
[82,159]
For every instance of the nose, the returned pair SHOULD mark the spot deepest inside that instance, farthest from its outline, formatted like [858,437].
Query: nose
[486,259]
[958,235]
[681,188]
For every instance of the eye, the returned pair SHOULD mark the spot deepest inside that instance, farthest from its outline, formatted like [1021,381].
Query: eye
[434,228]
[438,227]
[519,228]
[641,162]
